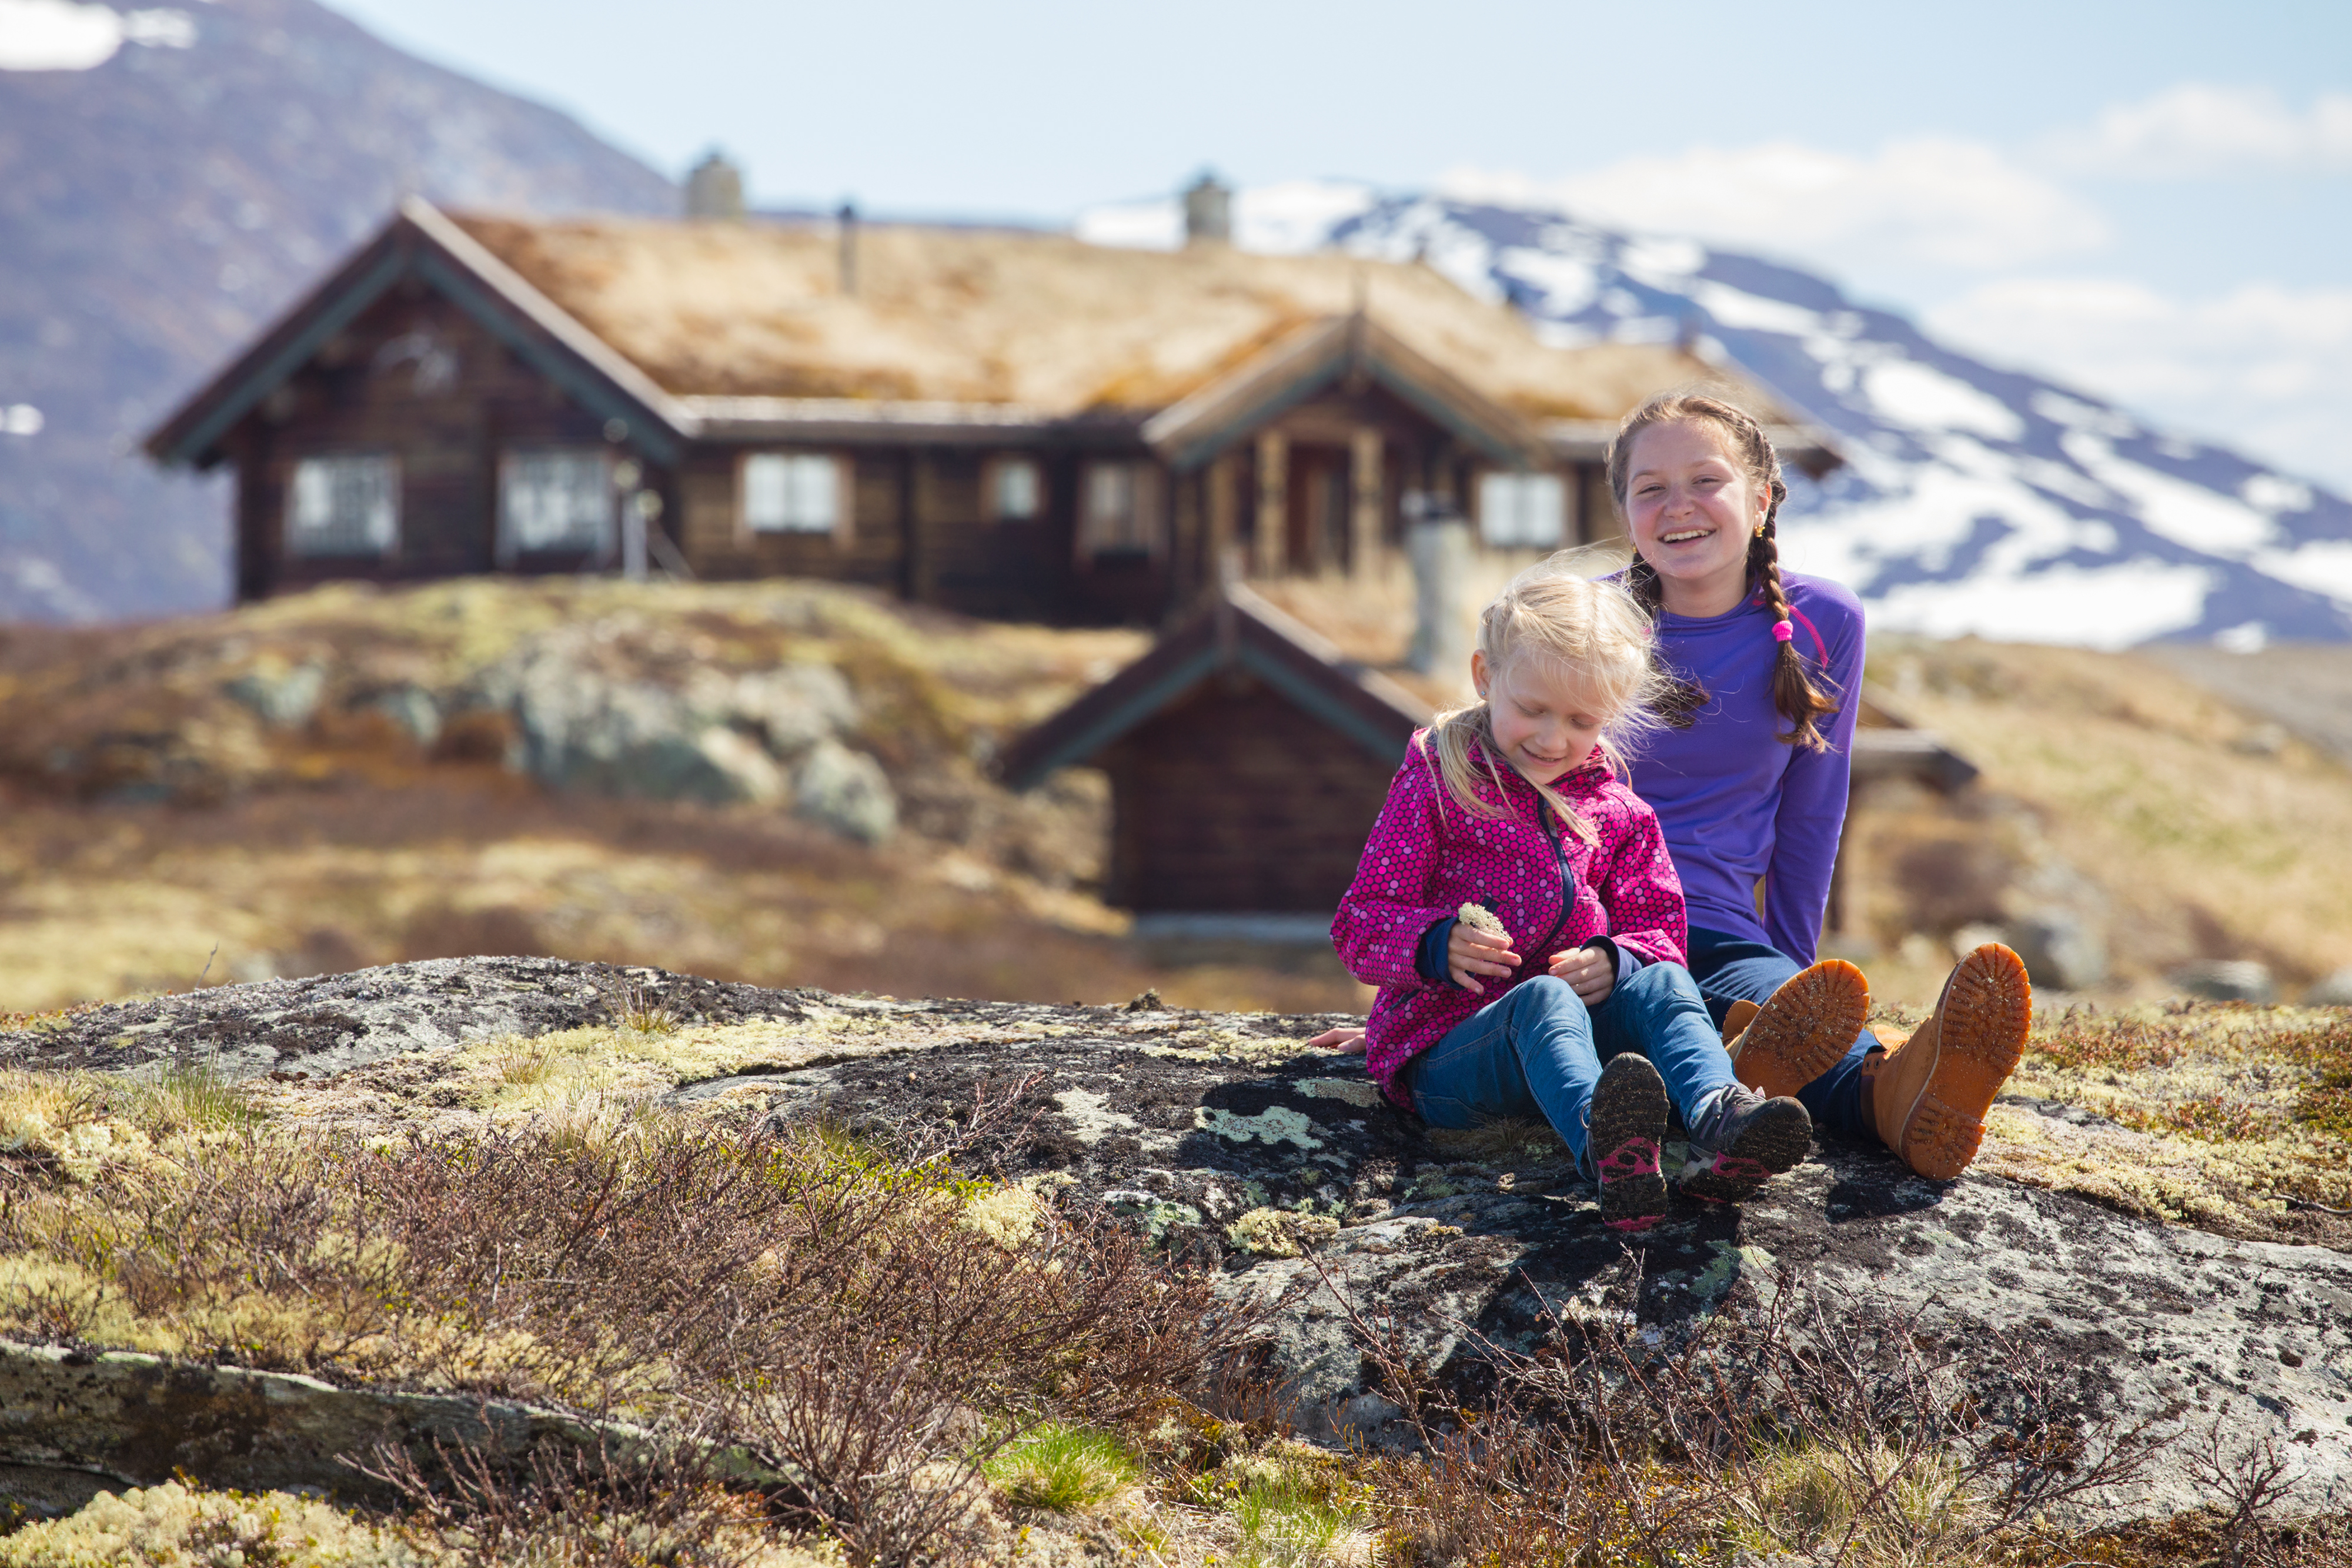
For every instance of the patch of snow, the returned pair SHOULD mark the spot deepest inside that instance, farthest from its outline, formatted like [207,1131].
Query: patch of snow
[1661,263]
[1128,225]
[2060,409]
[1905,391]
[1568,282]
[1738,308]
[2270,494]
[160,29]
[63,36]
[2250,638]
[1294,216]
[2323,566]
[2103,607]
[56,35]
[1464,258]
[21,419]
[2185,513]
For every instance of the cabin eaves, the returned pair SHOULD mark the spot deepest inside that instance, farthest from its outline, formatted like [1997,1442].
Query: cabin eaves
[1237,629]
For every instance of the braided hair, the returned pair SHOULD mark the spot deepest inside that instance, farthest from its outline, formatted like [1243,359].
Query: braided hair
[1800,700]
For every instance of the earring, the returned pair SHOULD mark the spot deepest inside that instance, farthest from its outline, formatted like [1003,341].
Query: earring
[1759,530]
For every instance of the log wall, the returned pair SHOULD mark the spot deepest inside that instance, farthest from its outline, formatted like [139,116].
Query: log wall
[416,378]
[1233,800]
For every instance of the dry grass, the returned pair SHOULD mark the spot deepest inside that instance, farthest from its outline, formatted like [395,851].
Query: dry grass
[342,843]
[1042,320]
[2222,1115]
[2118,787]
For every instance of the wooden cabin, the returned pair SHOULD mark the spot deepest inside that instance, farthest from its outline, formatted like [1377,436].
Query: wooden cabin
[1248,756]
[1248,760]
[1010,424]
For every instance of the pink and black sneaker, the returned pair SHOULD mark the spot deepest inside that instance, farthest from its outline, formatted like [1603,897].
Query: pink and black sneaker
[1623,1137]
[1739,1140]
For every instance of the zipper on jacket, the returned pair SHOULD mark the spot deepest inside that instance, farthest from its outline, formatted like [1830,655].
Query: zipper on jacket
[1549,829]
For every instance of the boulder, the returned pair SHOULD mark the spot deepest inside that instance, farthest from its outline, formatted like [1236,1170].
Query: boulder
[1228,1142]
[2061,951]
[2226,980]
[791,708]
[412,708]
[283,696]
[846,791]
[2335,991]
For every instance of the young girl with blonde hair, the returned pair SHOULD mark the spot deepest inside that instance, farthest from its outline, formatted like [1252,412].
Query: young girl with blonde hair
[1516,906]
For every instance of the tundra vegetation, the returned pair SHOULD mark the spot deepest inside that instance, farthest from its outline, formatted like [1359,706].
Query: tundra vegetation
[789,783]
[822,1343]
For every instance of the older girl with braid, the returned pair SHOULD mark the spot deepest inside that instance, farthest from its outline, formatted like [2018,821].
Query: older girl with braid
[1750,781]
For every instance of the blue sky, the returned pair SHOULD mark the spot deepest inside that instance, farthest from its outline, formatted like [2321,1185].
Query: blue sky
[2150,200]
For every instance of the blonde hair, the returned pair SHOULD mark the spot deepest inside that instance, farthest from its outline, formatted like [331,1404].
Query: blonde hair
[1592,629]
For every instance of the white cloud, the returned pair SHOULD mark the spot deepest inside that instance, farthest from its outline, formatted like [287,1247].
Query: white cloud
[2196,129]
[2267,368]
[1938,200]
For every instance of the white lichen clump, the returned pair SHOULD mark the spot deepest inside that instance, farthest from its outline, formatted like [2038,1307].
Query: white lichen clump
[1478,917]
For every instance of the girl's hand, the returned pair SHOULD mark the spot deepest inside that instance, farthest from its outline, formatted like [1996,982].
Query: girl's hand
[1473,952]
[1350,1040]
[1589,971]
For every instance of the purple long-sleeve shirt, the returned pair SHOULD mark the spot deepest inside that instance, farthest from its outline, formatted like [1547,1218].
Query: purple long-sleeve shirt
[1736,804]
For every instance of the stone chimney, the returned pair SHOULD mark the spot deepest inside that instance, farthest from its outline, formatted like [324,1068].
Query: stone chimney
[715,189]
[1208,211]
[1437,543]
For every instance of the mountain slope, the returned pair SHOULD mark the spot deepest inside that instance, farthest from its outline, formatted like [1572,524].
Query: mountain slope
[164,192]
[1975,499]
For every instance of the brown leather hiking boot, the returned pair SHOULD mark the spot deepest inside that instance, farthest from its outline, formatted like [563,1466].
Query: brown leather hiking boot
[1927,1098]
[1802,1030]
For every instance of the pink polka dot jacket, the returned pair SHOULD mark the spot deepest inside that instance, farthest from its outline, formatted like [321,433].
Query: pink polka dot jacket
[1553,892]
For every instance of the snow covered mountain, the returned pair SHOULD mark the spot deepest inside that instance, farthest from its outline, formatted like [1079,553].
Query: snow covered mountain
[170,179]
[1974,499]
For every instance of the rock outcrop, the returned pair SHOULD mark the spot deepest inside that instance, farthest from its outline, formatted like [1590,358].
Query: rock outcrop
[1230,1142]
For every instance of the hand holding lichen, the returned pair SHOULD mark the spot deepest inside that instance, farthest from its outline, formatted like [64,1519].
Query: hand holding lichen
[1480,945]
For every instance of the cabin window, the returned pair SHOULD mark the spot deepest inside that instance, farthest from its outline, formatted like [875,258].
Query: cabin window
[555,500]
[1121,515]
[1016,489]
[792,493]
[347,504]
[1522,510]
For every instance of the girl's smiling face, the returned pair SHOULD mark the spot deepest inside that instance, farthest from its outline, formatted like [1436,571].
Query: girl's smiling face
[1692,507]
[1544,718]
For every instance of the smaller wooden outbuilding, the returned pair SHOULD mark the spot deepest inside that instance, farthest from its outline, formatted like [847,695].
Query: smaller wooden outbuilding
[1248,760]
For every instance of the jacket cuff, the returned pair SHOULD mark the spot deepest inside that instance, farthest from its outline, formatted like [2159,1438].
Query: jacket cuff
[1625,958]
[1429,959]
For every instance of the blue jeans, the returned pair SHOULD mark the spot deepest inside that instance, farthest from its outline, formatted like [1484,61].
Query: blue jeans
[1537,1051]
[1731,969]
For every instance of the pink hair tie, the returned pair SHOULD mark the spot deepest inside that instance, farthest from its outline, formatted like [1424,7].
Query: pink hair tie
[1782,631]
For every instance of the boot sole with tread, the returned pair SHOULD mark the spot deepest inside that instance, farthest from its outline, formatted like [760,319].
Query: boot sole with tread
[1625,1139]
[1778,1140]
[1803,1029]
[1986,1006]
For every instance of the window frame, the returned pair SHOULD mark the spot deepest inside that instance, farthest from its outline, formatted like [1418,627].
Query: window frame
[992,475]
[512,548]
[1525,482]
[1144,532]
[842,531]
[292,533]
